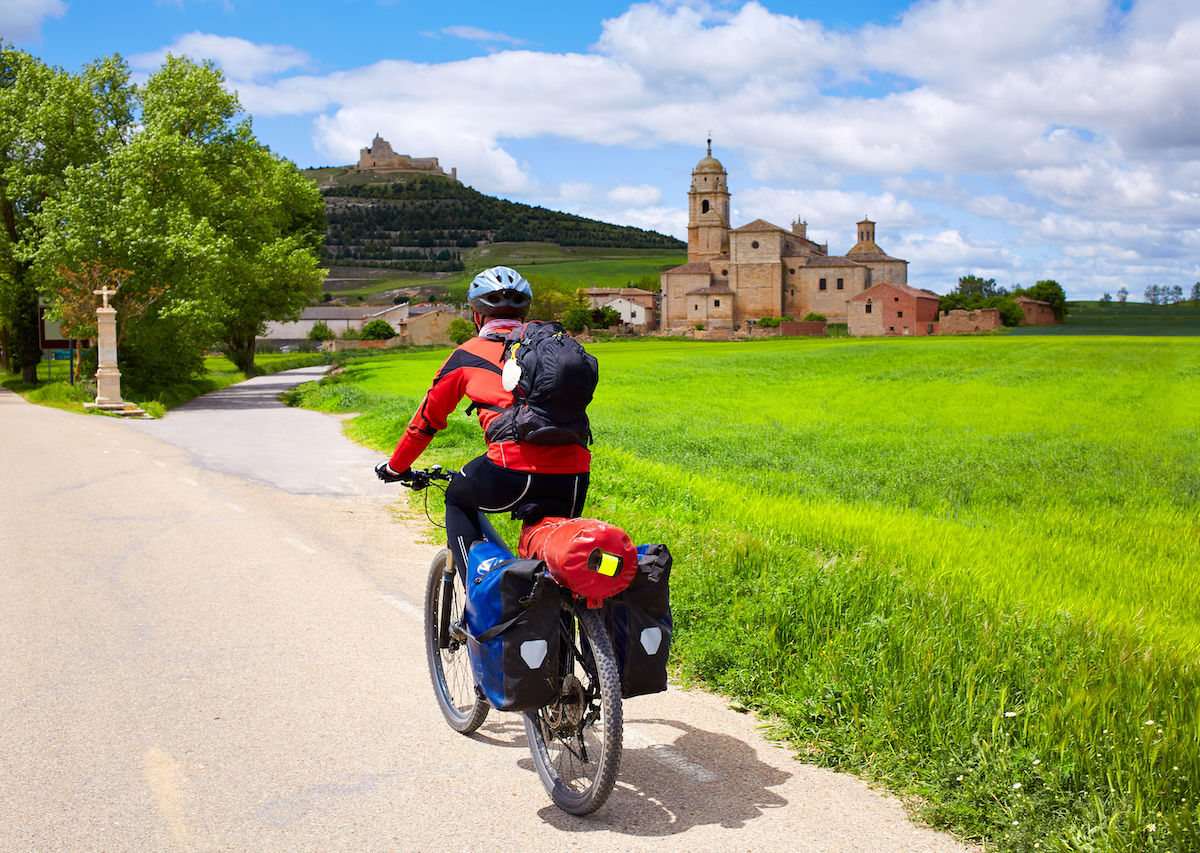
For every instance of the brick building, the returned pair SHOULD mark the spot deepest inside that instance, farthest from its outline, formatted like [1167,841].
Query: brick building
[892,309]
[1037,312]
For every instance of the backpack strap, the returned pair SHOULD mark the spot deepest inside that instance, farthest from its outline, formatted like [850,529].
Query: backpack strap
[476,405]
[526,603]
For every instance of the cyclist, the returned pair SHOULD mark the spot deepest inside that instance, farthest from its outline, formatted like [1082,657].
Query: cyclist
[532,481]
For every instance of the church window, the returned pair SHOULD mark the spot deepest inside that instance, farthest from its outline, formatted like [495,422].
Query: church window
[868,306]
[716,303]
[724,273]
[791,271]
[822,285]
[704,206]
[754,245]
[841,283]
[899,313]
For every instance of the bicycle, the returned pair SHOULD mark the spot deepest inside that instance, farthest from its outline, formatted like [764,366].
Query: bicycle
[576,740]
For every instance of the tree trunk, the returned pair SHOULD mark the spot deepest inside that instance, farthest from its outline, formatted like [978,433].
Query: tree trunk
[240,350]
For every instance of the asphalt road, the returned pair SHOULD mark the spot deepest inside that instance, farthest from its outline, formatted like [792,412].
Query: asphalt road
[209,640]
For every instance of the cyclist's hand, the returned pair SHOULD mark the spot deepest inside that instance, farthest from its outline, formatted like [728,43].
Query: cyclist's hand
[384,472]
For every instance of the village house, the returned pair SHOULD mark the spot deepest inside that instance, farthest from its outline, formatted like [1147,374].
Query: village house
[889,308]
[735,276]
[636,306]
[338,318]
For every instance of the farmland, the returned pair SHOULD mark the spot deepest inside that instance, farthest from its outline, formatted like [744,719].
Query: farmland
[962,567]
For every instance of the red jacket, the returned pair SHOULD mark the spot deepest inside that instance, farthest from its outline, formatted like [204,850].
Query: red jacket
[473,371]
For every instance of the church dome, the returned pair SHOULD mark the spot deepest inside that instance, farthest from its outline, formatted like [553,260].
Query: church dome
[710,164]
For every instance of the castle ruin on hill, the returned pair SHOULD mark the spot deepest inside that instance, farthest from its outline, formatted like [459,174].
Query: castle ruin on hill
[381,158]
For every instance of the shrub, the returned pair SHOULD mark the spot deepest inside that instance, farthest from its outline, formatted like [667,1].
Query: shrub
[460,331]
[321,332]
[814,317]
[378,330]
[769,322]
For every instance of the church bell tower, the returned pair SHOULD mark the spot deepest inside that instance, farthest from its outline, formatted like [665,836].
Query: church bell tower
[708,210]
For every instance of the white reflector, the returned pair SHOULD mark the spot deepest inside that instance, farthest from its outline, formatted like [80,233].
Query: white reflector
[533,652]
[651,639]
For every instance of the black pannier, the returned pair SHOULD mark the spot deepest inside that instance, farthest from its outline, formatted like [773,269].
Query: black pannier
[640,624]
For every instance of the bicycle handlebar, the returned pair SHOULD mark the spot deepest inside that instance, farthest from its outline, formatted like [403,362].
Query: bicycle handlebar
[421,478]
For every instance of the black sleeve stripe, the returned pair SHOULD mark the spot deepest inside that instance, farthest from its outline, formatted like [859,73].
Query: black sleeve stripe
[460,359]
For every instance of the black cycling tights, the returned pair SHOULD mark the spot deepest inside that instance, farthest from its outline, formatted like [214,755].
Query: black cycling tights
[484,485]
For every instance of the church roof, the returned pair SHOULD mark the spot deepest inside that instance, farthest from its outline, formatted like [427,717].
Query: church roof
[818,261]
[693,268]
[761,225]
[714,290]
[709,164]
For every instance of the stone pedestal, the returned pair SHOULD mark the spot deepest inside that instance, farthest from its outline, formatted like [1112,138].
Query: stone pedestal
[108,378]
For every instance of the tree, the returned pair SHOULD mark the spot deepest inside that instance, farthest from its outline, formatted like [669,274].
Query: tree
[576,318]
[1176,294]
[1196,292]
[1106,298]
[605,317]
[1122,294]
[973,285]
[460,331]
[378,330]
[320,332]
[50,122]
[193,204]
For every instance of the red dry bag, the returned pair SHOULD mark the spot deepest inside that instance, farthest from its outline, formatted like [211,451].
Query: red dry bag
[593,559]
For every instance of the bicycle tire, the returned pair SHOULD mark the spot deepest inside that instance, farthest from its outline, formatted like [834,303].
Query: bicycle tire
[450,668]
[576,741]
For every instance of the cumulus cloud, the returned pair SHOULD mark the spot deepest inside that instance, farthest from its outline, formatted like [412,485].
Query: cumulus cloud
[22,19]
[241,60]
[1067,110]
[642,195]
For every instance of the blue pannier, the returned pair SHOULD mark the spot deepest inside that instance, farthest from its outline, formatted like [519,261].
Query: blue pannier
[513,615]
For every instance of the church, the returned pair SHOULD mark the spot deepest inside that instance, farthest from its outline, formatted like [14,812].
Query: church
[737,275]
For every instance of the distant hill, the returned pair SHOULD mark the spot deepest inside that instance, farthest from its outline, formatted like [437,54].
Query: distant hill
[423,223]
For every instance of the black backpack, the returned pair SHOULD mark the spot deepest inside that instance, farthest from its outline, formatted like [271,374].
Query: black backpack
[554,378]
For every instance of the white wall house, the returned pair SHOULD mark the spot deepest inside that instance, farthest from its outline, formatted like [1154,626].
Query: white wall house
[337,318]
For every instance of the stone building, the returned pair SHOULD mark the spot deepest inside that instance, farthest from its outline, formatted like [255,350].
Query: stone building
[636,306]
[888,309]
[736,275]
[381,158]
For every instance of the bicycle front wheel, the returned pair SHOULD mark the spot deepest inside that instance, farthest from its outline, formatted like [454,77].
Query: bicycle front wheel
[576,740]
[446,648]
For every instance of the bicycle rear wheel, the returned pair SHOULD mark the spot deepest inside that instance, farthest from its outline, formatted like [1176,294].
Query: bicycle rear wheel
[446,648]
[576,740]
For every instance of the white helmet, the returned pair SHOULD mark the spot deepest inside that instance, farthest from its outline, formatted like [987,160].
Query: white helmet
[500,292]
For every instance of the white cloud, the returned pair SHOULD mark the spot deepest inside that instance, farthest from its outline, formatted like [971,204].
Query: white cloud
[480,35]
[241,60]
[642,195]
[22,19]
[1065,111]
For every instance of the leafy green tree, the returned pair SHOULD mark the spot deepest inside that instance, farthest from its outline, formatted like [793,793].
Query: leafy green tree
[1106,298]
[193,205]
[1196,292]
[973,285]
[1122,294]
[460,331]
[321,332]
[576,318]
[605,316]
[378,330]
[50,122]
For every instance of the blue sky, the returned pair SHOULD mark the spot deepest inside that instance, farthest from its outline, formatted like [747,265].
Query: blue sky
[1013,139]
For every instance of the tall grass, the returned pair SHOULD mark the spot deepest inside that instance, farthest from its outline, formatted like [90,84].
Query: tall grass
[963,567]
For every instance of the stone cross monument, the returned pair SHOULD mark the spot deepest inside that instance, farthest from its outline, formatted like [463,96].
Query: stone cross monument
[108,378]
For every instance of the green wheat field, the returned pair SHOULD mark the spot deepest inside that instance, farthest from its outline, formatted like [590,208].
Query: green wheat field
[965,568]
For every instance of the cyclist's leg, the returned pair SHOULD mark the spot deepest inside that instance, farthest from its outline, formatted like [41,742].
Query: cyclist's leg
[482,486]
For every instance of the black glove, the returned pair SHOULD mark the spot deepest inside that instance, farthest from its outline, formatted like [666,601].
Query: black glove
[384,472]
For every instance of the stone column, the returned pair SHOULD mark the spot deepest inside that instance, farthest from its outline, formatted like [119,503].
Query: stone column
[108,378]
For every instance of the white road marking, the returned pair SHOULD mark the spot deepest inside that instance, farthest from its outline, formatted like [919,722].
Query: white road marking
[189,481]
[299,546]
[668,756]
[234,507]
[404,606]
